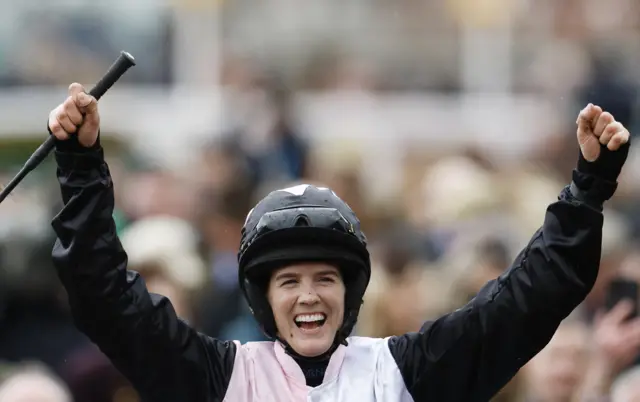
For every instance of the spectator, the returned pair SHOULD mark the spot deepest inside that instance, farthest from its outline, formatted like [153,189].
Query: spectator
[222,311]
[556,373]
[616,344]
[164,250]
[276,150]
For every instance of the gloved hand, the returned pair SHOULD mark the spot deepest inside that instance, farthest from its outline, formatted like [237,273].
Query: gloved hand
[604,146]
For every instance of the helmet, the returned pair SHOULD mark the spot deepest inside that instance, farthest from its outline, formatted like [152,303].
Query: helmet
[296,224]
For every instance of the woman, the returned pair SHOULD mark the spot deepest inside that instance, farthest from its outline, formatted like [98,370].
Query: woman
[304,268]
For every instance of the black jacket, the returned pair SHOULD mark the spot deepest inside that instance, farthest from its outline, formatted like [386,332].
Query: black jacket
[467,355]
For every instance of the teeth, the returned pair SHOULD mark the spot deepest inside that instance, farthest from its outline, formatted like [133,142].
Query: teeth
[310,317]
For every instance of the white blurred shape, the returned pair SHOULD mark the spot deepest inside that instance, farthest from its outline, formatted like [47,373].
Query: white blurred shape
[168,243]
[33,384]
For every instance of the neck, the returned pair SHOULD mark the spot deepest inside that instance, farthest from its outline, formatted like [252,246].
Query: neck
[314,367]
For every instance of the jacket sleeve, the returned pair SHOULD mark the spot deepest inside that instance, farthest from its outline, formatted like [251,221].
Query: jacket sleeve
[163,357]
[470,354]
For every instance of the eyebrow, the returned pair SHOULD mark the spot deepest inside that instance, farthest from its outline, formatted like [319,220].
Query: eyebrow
[329,272]
[291,275]
[286,275]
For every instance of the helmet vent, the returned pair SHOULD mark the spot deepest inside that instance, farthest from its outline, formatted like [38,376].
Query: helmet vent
[302,220]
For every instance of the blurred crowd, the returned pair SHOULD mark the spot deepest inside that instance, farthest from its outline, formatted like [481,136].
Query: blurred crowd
[453,221]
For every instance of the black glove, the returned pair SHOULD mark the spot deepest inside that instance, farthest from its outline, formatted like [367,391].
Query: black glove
[608,165]
[598,180]
[72,145]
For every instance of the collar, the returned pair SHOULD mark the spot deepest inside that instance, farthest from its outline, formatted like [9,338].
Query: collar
[294,372]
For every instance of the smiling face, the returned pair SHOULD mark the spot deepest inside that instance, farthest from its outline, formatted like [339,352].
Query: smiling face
[308,306]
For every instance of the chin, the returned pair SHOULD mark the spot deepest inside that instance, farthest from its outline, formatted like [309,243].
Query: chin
[311,348]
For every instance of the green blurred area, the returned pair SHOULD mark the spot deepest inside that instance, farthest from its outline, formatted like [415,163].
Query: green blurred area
[14,151]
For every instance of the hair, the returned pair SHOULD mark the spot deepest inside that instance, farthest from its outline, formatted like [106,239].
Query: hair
[621,385]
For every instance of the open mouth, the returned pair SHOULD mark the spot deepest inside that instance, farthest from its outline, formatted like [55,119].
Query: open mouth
[310,321]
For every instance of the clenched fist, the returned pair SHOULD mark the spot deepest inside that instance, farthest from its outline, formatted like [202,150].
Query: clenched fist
[604,147]
[596,129]
[78,114]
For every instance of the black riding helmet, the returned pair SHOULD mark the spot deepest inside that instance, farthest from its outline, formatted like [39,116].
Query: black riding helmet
[301,224]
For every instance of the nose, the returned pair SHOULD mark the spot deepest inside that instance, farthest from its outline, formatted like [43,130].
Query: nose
[309,296]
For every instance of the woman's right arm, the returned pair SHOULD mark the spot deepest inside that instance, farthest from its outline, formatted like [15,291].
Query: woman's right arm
[163,357]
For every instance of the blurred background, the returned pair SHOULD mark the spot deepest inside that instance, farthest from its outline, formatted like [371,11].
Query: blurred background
[447,125]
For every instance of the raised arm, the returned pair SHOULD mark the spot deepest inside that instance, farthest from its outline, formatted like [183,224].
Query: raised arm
[470,354]
[164,358]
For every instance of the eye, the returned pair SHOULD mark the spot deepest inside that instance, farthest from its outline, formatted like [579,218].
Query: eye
[327,279]
[288,282]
